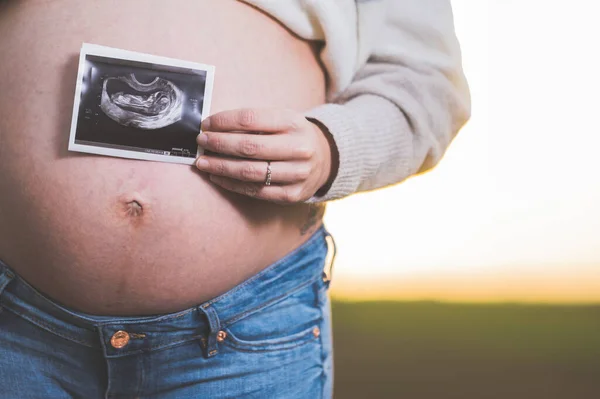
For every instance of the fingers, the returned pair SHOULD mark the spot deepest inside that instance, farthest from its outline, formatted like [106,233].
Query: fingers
[254,171]
[278,147]
[235,159]
[253,119]
[283,194]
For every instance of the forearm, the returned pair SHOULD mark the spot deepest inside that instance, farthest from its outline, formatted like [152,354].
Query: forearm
[403,107]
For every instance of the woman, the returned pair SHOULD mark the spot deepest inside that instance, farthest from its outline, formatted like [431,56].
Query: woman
[125,278]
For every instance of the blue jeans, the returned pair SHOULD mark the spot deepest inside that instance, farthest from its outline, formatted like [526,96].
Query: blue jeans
[268,337]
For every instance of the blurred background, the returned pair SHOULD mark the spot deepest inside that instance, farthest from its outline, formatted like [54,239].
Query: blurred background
[481,278]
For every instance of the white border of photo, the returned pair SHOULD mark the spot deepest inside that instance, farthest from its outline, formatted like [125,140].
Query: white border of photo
[103,51]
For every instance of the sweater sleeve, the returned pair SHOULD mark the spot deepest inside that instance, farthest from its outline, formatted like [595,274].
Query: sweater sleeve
[404,105]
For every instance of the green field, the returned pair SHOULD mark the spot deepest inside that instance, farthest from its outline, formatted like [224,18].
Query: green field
[422,350]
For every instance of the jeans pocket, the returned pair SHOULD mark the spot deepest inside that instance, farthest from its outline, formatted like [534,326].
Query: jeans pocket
[283,324]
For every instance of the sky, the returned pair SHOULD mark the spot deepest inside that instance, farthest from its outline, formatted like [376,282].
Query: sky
[511,212]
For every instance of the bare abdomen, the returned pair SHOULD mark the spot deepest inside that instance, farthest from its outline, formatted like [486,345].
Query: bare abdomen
[66,219]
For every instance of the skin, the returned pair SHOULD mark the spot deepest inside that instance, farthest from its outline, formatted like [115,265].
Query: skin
[300,154]
[114,236]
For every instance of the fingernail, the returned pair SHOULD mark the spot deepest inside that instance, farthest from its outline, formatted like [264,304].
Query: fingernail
[214,178]
[205,125]
[202,163]
[202,139]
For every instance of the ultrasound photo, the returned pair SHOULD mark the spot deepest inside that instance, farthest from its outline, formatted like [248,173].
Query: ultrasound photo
[140,106]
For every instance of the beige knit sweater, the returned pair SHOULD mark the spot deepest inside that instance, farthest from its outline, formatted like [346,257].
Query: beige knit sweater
[397,94]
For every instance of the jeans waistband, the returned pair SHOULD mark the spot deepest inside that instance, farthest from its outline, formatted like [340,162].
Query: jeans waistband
[297,269]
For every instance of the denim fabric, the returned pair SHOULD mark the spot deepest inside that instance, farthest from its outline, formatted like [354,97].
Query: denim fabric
[268,337]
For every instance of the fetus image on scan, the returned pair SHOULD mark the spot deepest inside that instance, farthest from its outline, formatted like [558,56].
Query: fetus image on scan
[141,105]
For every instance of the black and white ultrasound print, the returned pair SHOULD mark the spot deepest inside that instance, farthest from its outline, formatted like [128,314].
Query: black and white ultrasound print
[139,107]
[149,106]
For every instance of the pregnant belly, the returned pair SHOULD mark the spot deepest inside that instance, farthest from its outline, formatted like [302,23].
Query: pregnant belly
[115,236]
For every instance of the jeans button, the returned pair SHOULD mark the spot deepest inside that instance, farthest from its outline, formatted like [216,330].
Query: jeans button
[119,339]
[221,336]
[316,331]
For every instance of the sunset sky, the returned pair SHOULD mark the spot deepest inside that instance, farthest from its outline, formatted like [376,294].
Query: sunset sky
[513,210]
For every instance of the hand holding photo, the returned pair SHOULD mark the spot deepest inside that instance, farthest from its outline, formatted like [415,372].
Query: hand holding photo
[140,106]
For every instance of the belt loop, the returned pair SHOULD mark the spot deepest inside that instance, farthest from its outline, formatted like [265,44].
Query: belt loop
[215,326]
[6,277]
[330,259]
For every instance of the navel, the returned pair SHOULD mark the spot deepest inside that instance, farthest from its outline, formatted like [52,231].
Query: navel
[134,209]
